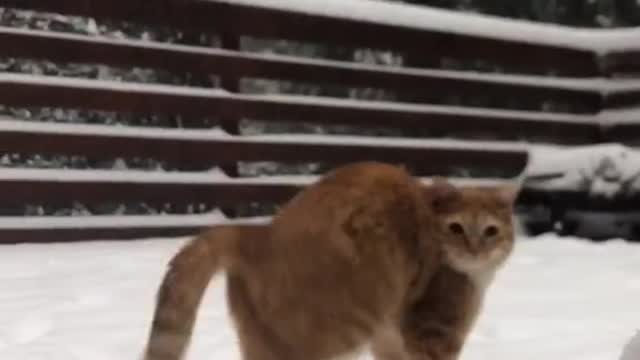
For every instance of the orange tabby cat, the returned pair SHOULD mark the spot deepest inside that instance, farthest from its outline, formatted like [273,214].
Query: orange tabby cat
[475,227]
[357,259]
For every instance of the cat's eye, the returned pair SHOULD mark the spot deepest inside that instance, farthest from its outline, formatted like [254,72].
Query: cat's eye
[491,231]
[456,228]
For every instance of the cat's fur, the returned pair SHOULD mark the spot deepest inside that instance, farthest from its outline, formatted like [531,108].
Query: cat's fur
[354,260]
[475,228]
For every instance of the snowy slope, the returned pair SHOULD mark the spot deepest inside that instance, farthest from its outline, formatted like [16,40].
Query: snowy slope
[556,299]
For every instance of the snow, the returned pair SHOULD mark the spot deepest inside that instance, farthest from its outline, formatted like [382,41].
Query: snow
[437,20]
[411,143]
[354,104]
[9,124]
[612,117]
[212,177]
[605,170]
[432,19]
[129,176]
[555,299]
[99,221]
[109,85]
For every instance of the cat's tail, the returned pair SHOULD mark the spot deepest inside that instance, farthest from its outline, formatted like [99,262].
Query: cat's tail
[185,282]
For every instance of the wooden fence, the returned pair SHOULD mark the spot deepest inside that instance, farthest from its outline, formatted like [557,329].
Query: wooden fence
[591,85]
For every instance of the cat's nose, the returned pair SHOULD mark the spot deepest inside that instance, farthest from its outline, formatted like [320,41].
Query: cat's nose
[474,247]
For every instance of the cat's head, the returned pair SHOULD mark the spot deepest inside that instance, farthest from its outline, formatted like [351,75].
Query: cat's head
[474,224]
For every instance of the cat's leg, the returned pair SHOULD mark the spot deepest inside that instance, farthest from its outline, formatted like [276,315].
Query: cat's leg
[256,340]
[388,345]
[348,356]
[431,341]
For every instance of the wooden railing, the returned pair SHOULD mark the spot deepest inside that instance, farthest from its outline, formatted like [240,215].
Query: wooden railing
[595,103]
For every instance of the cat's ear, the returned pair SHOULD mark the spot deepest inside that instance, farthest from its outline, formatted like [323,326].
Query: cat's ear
[507,193]
[441,193]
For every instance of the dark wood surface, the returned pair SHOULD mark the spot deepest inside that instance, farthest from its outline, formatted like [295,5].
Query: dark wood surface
[271,22]
[234,64]
[599,109]
[29,90]
[175,147]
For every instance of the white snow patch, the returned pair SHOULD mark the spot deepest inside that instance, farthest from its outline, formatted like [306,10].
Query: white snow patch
[611,117]
[95,301]
[603,170]
[10,124]
[99,221]
[132,176]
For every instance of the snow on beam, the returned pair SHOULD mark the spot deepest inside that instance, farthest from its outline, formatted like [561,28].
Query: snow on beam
[447,21]
[621,125]
[45,229]
[62,186]
[30,90]
[208,149]
[600,176]
[19,186]
[390,14]
[117,52]
[621,93]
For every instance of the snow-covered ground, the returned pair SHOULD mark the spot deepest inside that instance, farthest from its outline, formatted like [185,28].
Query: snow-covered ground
[556,299]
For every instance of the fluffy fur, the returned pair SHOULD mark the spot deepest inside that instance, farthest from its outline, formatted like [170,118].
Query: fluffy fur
[366,256]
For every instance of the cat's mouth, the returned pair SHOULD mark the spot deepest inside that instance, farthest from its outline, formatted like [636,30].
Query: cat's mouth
[466,260]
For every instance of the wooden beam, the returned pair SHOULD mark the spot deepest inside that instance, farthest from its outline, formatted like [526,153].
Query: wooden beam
[450,39]
[28,90]
[236,64]
[196,147]
[20,186]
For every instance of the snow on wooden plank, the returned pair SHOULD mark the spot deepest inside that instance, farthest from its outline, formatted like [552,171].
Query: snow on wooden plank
[305,180]
[62,186]
[618,117]
[386,15]
[397,26]
[621,93]
[111,221]
[46,229]
[80,228]
[356,11]
[184,178]
[29,90]
[108,221]
[447,21]
[84,49]
[204,148]
[621,125]
[601,177]
[178,178]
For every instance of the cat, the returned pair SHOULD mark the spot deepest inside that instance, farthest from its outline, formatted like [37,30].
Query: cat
[353,260]
[477,234]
